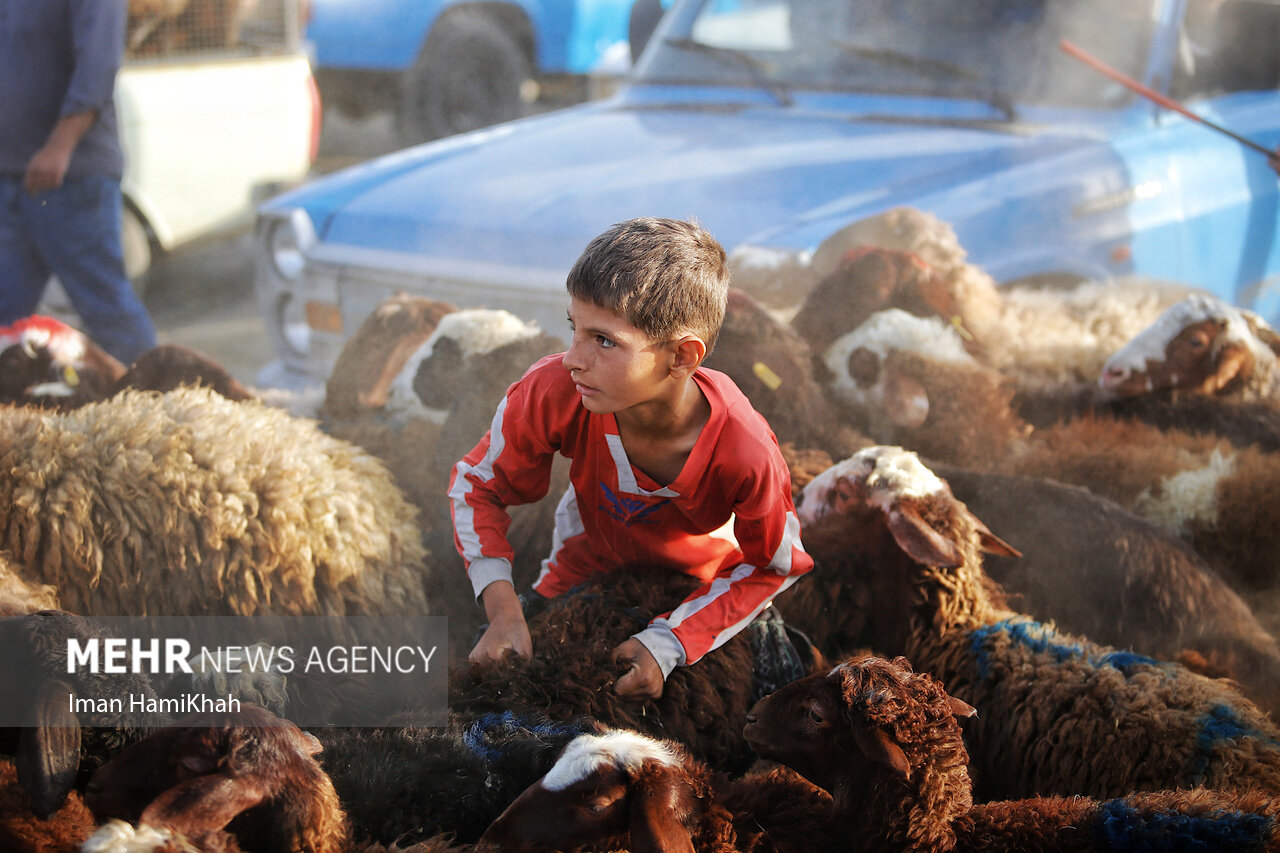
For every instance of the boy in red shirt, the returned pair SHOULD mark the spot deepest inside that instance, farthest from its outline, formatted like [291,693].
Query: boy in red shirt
[669,462]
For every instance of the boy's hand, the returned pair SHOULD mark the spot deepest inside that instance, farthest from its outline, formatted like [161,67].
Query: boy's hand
[507,628]
[503,634]
[644,679]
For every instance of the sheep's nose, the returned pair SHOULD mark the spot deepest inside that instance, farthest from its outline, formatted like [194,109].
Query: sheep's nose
[1112,377]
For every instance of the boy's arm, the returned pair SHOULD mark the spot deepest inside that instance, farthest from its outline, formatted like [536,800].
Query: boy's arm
[510,465]
[507,628]
[768,535]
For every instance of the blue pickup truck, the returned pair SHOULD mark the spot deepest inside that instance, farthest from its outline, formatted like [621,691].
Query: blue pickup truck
[777,123]
[447,66]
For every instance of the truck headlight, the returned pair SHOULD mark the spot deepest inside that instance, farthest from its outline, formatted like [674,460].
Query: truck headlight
[289,238]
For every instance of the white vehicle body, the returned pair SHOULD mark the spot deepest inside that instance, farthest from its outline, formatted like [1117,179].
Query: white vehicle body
[210,130]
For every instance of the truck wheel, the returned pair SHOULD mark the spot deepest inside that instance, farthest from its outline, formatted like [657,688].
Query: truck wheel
[137,251]
[470,74]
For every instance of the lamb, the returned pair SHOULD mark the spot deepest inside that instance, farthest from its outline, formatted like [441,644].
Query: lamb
[572,672]
[368,403]
[623,789]
[887,741]
[174,508]
[1046,336]
[1062,715]
[249,774]
[1098,570]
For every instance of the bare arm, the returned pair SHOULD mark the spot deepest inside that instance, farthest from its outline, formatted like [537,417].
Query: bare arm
[507,628]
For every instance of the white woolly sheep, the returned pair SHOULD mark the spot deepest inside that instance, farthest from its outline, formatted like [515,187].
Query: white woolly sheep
[623,789]
[887,741]
[1061,715]
[170,509]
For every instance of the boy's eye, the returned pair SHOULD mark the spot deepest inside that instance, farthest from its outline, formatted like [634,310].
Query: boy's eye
[604,342]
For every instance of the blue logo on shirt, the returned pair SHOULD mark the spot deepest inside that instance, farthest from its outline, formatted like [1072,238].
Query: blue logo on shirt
[630,510]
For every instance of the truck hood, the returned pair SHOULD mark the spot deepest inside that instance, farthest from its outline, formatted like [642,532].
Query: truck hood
[535,198]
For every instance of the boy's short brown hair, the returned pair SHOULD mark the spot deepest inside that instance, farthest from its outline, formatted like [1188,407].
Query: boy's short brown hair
[666,277]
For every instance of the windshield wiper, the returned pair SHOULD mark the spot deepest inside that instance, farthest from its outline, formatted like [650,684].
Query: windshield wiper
[758,67]
[928,67]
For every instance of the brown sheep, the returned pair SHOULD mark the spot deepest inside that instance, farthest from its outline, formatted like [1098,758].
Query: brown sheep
[1221,498]
[572,670]
[21,831]
[1200,345]
[246,773]
[624,789]
[1048,336]
[893,528]
[773,366]
[887,742]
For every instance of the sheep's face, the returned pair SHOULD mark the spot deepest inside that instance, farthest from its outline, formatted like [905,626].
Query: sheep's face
[602,787]
[800,725]
[850,724]
[1201,345]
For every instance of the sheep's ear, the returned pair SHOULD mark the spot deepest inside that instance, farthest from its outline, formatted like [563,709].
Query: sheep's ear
[655,826]
[961,708]
[880,748]
[905,400]
[1263,331]
[204,804]
[920,541]
[48,753]
[993,544]
[1229,363]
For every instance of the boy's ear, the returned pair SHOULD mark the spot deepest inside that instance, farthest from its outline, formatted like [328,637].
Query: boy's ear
[687,353]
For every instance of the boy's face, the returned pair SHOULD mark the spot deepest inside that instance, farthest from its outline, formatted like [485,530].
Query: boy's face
[615,365]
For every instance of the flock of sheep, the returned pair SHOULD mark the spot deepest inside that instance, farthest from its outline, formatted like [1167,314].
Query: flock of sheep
[1043,612]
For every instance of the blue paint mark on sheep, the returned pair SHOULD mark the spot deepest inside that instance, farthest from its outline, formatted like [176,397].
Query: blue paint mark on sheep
[1042,639]
[1222,724]
[1124,829]
[485,737]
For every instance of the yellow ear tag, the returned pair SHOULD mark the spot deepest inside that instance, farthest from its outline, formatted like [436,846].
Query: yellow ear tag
[771,380]
[70,376]
[959,327]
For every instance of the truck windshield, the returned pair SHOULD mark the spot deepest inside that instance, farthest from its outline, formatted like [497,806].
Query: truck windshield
[1002,51]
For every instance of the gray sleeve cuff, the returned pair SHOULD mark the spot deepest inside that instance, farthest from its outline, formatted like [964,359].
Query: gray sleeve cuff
[663,645]
[485,570]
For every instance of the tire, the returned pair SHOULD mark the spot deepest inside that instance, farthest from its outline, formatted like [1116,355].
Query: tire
[136,243]
[470,74]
